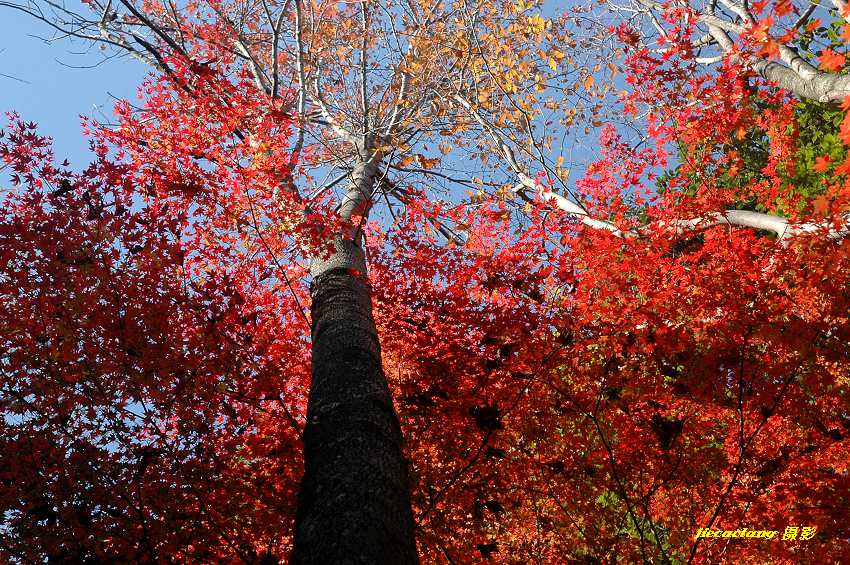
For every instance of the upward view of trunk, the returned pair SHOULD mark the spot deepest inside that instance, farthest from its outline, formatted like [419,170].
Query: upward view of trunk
[354,502]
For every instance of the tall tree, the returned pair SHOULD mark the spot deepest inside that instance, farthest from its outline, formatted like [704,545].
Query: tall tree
[370,85]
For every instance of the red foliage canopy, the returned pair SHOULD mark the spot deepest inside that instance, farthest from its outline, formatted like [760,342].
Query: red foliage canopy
[567,393]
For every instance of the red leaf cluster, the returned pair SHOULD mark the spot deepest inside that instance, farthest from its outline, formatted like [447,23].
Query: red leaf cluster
[567,394]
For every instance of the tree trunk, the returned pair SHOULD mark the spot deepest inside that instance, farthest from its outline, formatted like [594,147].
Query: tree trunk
[354,502]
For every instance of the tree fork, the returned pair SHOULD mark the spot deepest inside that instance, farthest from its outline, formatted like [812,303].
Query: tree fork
[354,501]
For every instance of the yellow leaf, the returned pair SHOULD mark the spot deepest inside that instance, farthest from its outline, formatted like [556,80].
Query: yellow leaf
[538,84]
[537,23]
[553,64]
[588,82]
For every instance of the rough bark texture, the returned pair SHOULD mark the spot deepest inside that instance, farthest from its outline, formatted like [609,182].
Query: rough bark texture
[354,503]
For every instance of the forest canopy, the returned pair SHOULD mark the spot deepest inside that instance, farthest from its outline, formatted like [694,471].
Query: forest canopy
[403,281]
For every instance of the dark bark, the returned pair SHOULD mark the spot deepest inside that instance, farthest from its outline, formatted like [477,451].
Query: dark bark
[354,502]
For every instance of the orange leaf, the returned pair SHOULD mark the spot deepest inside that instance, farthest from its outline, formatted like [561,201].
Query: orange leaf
[843,168]
[830,60]
[769,49]
[782,7]
[426,163]
[822,204]
[822,163]
[789,36]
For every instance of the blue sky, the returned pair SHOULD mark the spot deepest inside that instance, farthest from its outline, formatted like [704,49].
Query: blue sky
[53,95]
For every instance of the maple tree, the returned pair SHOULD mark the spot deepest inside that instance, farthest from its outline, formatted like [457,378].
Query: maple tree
[582,377]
